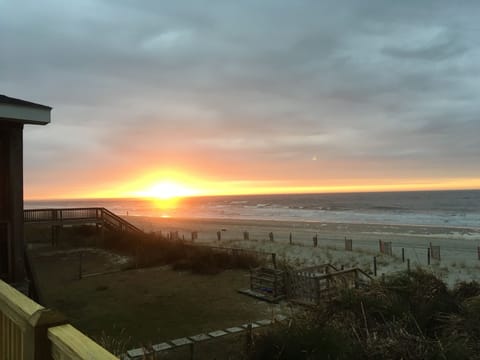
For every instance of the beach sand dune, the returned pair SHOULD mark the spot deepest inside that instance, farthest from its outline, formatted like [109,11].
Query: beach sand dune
[458,246]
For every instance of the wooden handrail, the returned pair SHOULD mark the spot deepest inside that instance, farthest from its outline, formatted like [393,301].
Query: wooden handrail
[29,331]
[16,333]
[105,213]
[14,304]
[24,326]
[69,343]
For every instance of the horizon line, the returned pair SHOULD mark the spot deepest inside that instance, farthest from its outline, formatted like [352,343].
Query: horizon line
[247,194]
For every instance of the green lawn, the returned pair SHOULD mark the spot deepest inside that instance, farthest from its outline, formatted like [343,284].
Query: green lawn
[148,305]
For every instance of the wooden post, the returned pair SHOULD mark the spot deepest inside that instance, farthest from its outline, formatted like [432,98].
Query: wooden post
[249,339]
[348,244]
[290,239]
[274,260]
[137,256]
[192,350]
[80,270]
[41,322]
[275,286]
[428,256]
[317,291]
[53,235]
[315,240]
[11,200]
[270,235]
[219,235]
[478,252]
[408,265]
[403,255]
[375,266]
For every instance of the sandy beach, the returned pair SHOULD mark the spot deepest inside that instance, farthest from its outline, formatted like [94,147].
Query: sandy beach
[459,255]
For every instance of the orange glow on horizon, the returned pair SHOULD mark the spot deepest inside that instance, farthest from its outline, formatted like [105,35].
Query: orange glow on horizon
[167,187]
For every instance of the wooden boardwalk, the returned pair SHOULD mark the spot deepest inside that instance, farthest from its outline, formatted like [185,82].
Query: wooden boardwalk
[78,216]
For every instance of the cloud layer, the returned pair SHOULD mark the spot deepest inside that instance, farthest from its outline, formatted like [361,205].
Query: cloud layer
[245,90]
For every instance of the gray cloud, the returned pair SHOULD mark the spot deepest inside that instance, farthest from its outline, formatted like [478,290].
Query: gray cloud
[278,81]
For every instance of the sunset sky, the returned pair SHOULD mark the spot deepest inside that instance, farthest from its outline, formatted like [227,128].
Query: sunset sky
[220,97]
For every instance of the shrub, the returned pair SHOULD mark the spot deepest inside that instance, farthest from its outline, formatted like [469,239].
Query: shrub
[152,250]
[409,316]
[300,340]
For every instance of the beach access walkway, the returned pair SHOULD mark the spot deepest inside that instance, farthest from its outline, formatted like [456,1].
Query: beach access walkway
[78,216]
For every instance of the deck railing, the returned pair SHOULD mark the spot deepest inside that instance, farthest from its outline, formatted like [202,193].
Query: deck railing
[313,285]
[49,215]
[28,331]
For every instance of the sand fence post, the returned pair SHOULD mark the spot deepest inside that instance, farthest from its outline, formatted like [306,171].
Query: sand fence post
[246,235]
[315,240]
[270,235]
[290,240]
[348,244]
[219,235]
[435,252]
[408,265]
[428,256]
[375,266]
[403,255]
[478,252]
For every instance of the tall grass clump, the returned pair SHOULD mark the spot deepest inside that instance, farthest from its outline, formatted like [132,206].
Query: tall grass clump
[304,340]
[116,344]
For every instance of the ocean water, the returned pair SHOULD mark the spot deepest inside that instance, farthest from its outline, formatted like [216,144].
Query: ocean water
[434,208]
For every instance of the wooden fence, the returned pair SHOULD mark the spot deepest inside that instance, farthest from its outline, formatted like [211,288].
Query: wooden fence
[435,252]
[268,282]
[28,331]
[348,244]
[385,247]
[313,285]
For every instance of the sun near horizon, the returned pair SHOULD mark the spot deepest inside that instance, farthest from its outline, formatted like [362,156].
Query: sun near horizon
[167,187]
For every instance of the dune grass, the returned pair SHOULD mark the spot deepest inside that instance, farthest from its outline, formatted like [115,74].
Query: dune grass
[154,250]
[409,316]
